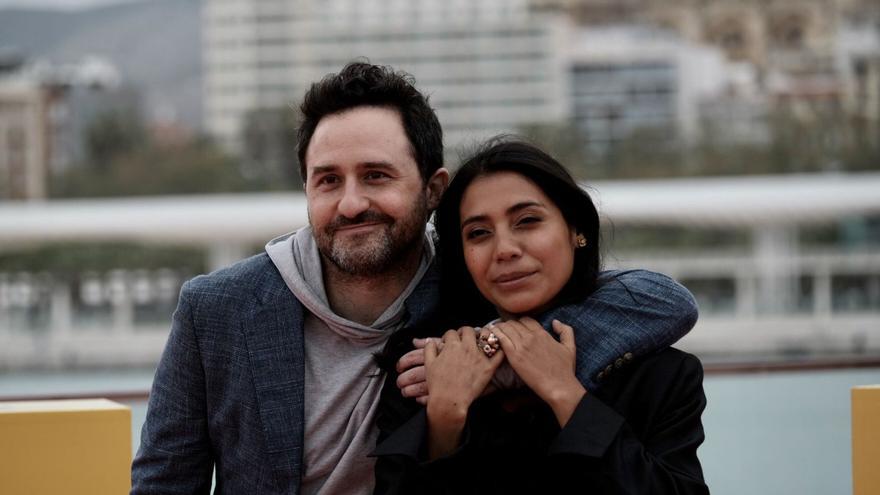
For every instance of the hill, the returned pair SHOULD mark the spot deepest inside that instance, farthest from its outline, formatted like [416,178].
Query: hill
[156,45]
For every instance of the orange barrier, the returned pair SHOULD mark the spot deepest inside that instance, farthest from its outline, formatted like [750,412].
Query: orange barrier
[65,446]
[866,440]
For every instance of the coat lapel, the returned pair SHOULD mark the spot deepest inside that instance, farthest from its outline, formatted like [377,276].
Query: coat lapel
[274,334]
[423,301]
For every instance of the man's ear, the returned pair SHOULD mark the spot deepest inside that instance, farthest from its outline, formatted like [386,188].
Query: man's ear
[436,186]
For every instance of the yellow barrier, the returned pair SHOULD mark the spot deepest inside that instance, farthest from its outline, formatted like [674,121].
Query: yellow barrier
[866,440]
[65,446]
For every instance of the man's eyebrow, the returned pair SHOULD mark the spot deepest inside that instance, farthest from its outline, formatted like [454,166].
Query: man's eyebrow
[513,209]
[378,165]
[322,169]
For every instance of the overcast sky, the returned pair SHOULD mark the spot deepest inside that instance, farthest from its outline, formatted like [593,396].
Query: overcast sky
[57,4]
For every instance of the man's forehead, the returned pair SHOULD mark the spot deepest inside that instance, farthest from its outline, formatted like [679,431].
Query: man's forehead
[362,137]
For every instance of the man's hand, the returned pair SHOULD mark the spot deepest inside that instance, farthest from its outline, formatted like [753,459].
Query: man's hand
[411,371]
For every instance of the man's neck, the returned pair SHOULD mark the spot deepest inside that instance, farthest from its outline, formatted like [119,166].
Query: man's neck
[363,299]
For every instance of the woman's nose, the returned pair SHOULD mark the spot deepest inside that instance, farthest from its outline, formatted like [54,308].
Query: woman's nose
[507,248]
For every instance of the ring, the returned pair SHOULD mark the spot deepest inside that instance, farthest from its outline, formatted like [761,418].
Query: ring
[489,344]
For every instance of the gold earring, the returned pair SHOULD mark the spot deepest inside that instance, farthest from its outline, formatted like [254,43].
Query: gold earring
[581,240]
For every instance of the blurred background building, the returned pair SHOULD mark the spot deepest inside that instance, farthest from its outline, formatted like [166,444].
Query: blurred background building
[622,91]
[37,134]
[734,145]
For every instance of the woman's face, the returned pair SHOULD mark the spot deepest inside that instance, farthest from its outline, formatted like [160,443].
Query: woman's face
[517,245]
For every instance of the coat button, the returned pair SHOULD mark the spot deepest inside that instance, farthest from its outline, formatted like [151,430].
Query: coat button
[608,369]
[628,356]
[618,363]
[600,376]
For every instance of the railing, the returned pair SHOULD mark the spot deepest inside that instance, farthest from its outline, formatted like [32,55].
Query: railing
[91,319]
[812,302]
[817,302]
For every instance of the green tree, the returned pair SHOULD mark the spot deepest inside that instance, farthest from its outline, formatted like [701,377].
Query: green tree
[195,167]
[113,133]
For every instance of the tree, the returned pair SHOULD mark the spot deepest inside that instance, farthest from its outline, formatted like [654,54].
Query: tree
[111,134]
[269,138]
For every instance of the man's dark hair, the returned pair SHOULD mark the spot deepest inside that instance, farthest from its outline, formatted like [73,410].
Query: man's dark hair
[364,84]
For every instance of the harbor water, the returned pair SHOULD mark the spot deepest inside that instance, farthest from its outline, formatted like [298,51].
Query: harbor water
[766,433]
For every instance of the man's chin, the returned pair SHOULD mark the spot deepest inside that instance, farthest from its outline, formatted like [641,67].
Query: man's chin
[359,257]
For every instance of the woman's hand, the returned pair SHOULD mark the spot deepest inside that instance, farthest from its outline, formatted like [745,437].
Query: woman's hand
[455,378]
[545,365]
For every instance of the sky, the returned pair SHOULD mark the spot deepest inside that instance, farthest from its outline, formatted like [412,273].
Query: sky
[57,4]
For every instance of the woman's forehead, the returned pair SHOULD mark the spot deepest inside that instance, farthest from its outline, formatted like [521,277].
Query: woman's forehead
[498,191]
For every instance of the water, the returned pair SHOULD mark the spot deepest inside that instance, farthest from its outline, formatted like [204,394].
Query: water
[770,434]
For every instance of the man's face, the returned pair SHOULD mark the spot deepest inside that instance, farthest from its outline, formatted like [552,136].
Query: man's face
[367,201]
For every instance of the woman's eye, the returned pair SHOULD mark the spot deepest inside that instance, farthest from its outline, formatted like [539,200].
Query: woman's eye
[476,233]
[528,220]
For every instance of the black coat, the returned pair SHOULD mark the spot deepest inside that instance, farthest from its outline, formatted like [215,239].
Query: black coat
[638,434]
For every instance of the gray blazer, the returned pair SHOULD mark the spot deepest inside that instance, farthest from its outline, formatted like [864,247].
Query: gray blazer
[228,391]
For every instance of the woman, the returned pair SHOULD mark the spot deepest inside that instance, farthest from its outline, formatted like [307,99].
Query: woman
[519,237]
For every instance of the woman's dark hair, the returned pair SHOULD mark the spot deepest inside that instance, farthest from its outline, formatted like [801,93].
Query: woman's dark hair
[364,84]
[460,297]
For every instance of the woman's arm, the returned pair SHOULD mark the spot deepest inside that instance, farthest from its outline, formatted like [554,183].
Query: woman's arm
[545,365]
[456,377]
[419,455]
[641,438]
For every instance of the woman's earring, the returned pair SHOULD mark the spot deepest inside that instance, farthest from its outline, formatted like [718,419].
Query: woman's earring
[581,241]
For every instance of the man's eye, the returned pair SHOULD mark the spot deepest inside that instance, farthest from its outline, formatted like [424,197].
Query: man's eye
[375,175]
[328,179]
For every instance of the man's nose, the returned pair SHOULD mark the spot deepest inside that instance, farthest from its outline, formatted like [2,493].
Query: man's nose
[354,201]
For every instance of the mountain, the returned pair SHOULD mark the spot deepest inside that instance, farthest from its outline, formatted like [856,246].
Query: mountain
[155,44]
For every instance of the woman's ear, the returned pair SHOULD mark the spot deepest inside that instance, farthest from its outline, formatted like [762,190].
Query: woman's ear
[436,186]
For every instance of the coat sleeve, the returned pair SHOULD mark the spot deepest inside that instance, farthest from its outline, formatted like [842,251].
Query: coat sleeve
[175,451]
[631,314]
[599,447]
[402,468]
[651,450]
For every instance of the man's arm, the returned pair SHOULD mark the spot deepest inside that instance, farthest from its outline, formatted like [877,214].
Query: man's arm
[632,313]
[175,451]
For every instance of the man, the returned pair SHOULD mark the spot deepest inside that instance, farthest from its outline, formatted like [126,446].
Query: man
[269,374]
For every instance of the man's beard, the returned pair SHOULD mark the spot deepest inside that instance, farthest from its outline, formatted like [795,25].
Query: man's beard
[376,252]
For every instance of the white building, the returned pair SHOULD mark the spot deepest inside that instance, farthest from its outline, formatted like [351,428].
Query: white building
[25,138]
[488,66]
[626,79]
[34,120]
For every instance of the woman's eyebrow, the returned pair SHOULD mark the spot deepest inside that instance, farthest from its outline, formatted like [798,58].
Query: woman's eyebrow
[473,219]
[523,205]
